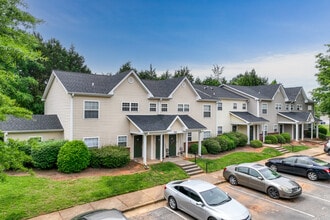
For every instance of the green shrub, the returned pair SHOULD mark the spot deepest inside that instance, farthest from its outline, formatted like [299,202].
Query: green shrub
[242,139]
[226,143]
[212,146]
[232,137]
[322,130]
[13,159]
[256,144]
[73,157]
[322,136]
[272,138]
[287,137]
[268,142]
[280,139]
[193,149]
[109,157]
[44,154]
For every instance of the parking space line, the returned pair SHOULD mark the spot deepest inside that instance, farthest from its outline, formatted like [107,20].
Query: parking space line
[315,197]
[181,216]
[276,203]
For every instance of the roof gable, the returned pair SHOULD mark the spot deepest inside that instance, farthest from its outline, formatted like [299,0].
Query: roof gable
[264,92]
[215,92]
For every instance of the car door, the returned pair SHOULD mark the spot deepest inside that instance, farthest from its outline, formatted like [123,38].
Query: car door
[242,175]
[256,181]
[195,207]
[301,166]
[287,165]
[183,199]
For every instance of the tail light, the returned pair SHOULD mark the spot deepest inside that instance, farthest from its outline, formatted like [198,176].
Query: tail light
[327,170]
[224,169]
[164,187]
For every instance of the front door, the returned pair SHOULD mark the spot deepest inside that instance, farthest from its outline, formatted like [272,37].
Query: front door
[172,145]
[251,132]
[158,147]
[138,140]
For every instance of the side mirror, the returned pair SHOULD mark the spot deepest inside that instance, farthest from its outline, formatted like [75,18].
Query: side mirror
[200,204]
[260,178]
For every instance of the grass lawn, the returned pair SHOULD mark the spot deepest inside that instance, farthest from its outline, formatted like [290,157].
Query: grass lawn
[295,148]
[24,197]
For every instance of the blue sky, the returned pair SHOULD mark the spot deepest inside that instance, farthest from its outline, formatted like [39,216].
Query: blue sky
[278,38]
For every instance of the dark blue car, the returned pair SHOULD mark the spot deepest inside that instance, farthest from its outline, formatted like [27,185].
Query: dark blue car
[301,165]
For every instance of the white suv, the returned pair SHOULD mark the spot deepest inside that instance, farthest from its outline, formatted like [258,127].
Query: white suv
[327,147]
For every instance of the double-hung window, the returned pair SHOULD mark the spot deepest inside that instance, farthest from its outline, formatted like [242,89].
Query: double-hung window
[122,141]
[264,108]
[207,111]
[153,107]
[278,106]
[92,141]
[299,107]
[244,106]
[91,109]
[235,105]
[130,107]
[183,107]
[164,107]
[219,106]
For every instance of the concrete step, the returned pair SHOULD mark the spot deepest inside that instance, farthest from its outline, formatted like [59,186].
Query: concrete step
[281,149]
[191,169]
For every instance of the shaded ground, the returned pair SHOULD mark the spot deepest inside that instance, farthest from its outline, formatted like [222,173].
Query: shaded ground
[134,167]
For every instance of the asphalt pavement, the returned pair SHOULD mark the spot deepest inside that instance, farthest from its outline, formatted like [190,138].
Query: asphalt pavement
[130,201]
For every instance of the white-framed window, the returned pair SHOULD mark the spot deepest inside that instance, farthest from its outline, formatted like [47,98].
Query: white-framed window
[183,107]
[91,109]
[122,140]
[130,106]
[35,138]
[207,111]
[164,107]
[234,105]
[219,106]
[299,107]
[92,141]
[266,129]
[309,107]
[207,134]
[264,108]
[287,107]
[291,107]
[189,136]
[153,107]
[244,106]
[219,130]
[278,106]
[275,128]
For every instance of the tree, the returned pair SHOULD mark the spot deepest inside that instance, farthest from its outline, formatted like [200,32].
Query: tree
[249,79]
[184,71]
[166,75]
[148,74]
[17,46]
[210,81]
[125,67]
[321,94]
[217,71]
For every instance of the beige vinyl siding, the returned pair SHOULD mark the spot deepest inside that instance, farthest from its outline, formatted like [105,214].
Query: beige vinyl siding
[223,118]
[58,102]
[55,135]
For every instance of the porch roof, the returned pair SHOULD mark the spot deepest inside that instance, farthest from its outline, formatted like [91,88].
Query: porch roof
[297,116]
[152,123]
[249,118]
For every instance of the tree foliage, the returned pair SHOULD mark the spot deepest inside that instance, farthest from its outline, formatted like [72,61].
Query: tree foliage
[249,79]
[322,93]
[148,74]
[184,71]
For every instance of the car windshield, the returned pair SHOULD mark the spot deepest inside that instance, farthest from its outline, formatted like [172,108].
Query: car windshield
[319,162]
[269,174]
[215,196]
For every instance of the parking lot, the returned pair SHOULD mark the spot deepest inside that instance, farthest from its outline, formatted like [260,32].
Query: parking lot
[314,203]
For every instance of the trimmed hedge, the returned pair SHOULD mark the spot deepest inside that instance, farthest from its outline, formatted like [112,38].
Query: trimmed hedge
[73,157]
[212,146]
[256,144]
[226,143]
[280,139]
[193,149]
[242,138]
[272,139]
[109,157]
[287,137]
[44,154]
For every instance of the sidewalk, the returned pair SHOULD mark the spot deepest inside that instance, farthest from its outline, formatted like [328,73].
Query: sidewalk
[144,197]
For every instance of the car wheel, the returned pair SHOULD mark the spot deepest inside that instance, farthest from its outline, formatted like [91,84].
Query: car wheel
[273,192]
[312,176]
[211,218]
[172,203]
[232,180]
[273,167]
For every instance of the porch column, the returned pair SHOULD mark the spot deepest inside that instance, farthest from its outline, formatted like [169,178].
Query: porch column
[186,150]
[258,132]
[199,143]
[292,131]
[317,130]
[161,148]
[297,131]
[144,149]
[312,130]
[302,131]
[263,133]
[248,133]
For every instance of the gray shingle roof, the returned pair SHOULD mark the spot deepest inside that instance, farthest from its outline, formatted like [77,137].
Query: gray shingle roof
[215,92]
[249,117]
[37,123]
[296,116]
[162,122]
[89,83]
[292,92]
[162,88]
[261,92]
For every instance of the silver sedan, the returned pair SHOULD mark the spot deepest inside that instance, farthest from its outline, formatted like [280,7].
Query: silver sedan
[203,201]
[260,177]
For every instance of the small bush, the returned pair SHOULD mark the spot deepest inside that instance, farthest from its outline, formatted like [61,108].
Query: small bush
[109,157]
[73,157]
[272,138]
[256,144]
[13,159]
[193,149]
[322,130]
[226,143]
[212,146]
[268,142]
[44,154]
[322,136]
[280,139]
[242,139]
[287,137]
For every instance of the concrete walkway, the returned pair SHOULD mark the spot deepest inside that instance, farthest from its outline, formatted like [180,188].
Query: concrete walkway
[148,196]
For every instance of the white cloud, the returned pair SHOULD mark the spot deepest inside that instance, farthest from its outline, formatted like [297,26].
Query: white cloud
[289,69]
